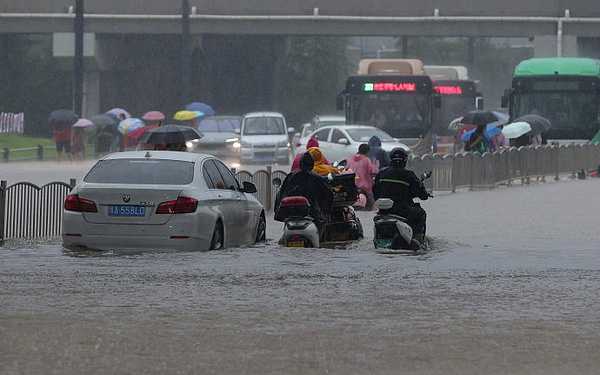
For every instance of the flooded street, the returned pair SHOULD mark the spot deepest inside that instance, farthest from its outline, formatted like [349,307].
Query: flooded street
[511,286]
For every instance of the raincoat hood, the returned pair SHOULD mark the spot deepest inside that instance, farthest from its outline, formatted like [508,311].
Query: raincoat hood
[358,157]
[374,141]
[306,162]
[312,143]
[320,167]
[316,154]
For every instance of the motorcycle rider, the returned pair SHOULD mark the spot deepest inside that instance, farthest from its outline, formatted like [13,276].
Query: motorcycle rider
[310,185]
[402,185]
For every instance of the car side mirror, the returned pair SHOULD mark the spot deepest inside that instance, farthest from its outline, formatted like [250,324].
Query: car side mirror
[339,103]
[344,141]
[291,130]
[437,101]
[479,102]
[277,182]
[237,131]
[248,187]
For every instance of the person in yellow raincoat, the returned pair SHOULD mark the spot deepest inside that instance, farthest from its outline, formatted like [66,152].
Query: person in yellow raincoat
[320,167]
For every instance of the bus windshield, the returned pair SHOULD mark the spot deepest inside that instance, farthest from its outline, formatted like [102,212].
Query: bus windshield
[452,108]
[401,116]
[565,110]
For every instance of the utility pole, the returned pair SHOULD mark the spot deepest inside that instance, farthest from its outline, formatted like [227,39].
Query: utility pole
[78,59]
[186,53]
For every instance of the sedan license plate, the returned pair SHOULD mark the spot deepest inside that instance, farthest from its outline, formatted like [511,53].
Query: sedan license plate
[126,210]
[300,243]
[383,242]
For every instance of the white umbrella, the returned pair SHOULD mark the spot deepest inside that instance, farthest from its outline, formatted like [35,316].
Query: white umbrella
[516,129]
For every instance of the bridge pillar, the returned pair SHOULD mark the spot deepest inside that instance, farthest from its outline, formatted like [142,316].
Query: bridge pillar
[546,46]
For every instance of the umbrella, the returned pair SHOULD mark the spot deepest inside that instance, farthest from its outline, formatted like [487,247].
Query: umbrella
[82,123]
[539,124]
[516,129]
[119,113]
[485,118]
[202,107]
[489,132]
[137,133]
[185,115]
[171,134]
[130,124]
[103,120]
[153,116]
[62,118]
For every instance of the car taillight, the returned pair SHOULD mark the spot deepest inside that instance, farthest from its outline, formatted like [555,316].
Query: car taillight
[298,144]
[74,203]
[182,205]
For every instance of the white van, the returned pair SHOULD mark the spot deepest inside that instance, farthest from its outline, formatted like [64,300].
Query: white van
[264,138]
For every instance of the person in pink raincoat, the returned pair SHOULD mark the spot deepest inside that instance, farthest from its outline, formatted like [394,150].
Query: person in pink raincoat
[363,168]
[311,143]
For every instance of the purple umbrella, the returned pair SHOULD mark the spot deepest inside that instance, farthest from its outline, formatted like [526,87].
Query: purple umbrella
[119,113]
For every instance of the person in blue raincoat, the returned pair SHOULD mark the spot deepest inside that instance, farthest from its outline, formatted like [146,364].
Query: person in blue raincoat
[379,157]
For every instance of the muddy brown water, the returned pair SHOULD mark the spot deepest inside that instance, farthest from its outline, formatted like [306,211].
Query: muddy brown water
[511,286]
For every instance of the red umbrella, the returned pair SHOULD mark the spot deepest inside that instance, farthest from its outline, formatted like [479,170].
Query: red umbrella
[136,134]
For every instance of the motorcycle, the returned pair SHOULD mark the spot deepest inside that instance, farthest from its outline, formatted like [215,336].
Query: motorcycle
[299,228]
[393,231]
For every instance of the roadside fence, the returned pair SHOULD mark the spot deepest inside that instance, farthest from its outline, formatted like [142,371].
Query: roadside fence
[12,122]
[27,210]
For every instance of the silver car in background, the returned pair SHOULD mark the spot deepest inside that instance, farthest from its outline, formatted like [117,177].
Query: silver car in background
[221,137]
[161,201]
[265,138]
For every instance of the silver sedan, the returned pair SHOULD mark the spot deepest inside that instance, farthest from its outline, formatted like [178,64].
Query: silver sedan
[161,201]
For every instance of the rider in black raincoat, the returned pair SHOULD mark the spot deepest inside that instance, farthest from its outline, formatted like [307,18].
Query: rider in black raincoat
[310,185]
[402,185]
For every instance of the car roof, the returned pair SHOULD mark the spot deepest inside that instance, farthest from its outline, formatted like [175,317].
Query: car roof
[348,127]
[220,117]
[158,154]
[330,117]
[263,114]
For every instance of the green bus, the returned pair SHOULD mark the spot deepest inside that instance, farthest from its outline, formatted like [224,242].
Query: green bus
[564,90]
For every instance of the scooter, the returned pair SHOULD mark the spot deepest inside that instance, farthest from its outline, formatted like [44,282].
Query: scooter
[393,231]
[299,228]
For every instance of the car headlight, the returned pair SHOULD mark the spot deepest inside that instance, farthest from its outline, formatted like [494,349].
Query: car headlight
[232,140]
[236,145]
[283,144]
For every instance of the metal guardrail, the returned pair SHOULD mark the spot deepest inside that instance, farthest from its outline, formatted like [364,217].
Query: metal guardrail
[27,210]
[40,153]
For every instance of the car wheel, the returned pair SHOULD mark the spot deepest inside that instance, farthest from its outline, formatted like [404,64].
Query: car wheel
[261,231]
[217,237]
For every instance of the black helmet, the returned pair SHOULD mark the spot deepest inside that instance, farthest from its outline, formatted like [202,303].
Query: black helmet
[399,155]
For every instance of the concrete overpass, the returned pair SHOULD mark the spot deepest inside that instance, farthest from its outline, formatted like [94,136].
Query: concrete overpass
[116,27]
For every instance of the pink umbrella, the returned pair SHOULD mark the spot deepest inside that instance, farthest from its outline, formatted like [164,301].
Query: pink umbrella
[153,116]
[82,123]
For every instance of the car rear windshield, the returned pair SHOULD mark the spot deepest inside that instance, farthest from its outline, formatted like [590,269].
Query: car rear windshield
[141,171]
[219,125]
[363,135]
[263,125]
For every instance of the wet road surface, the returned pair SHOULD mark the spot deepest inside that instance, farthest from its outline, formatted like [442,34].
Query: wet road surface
[510,286]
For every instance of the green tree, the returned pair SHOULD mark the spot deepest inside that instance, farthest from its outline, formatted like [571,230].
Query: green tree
[30,82]
[311,74]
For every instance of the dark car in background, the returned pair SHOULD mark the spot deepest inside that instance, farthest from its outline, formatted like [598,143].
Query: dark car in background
[221,136]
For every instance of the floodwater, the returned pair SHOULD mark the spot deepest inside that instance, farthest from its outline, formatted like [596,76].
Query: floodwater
[511,286]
